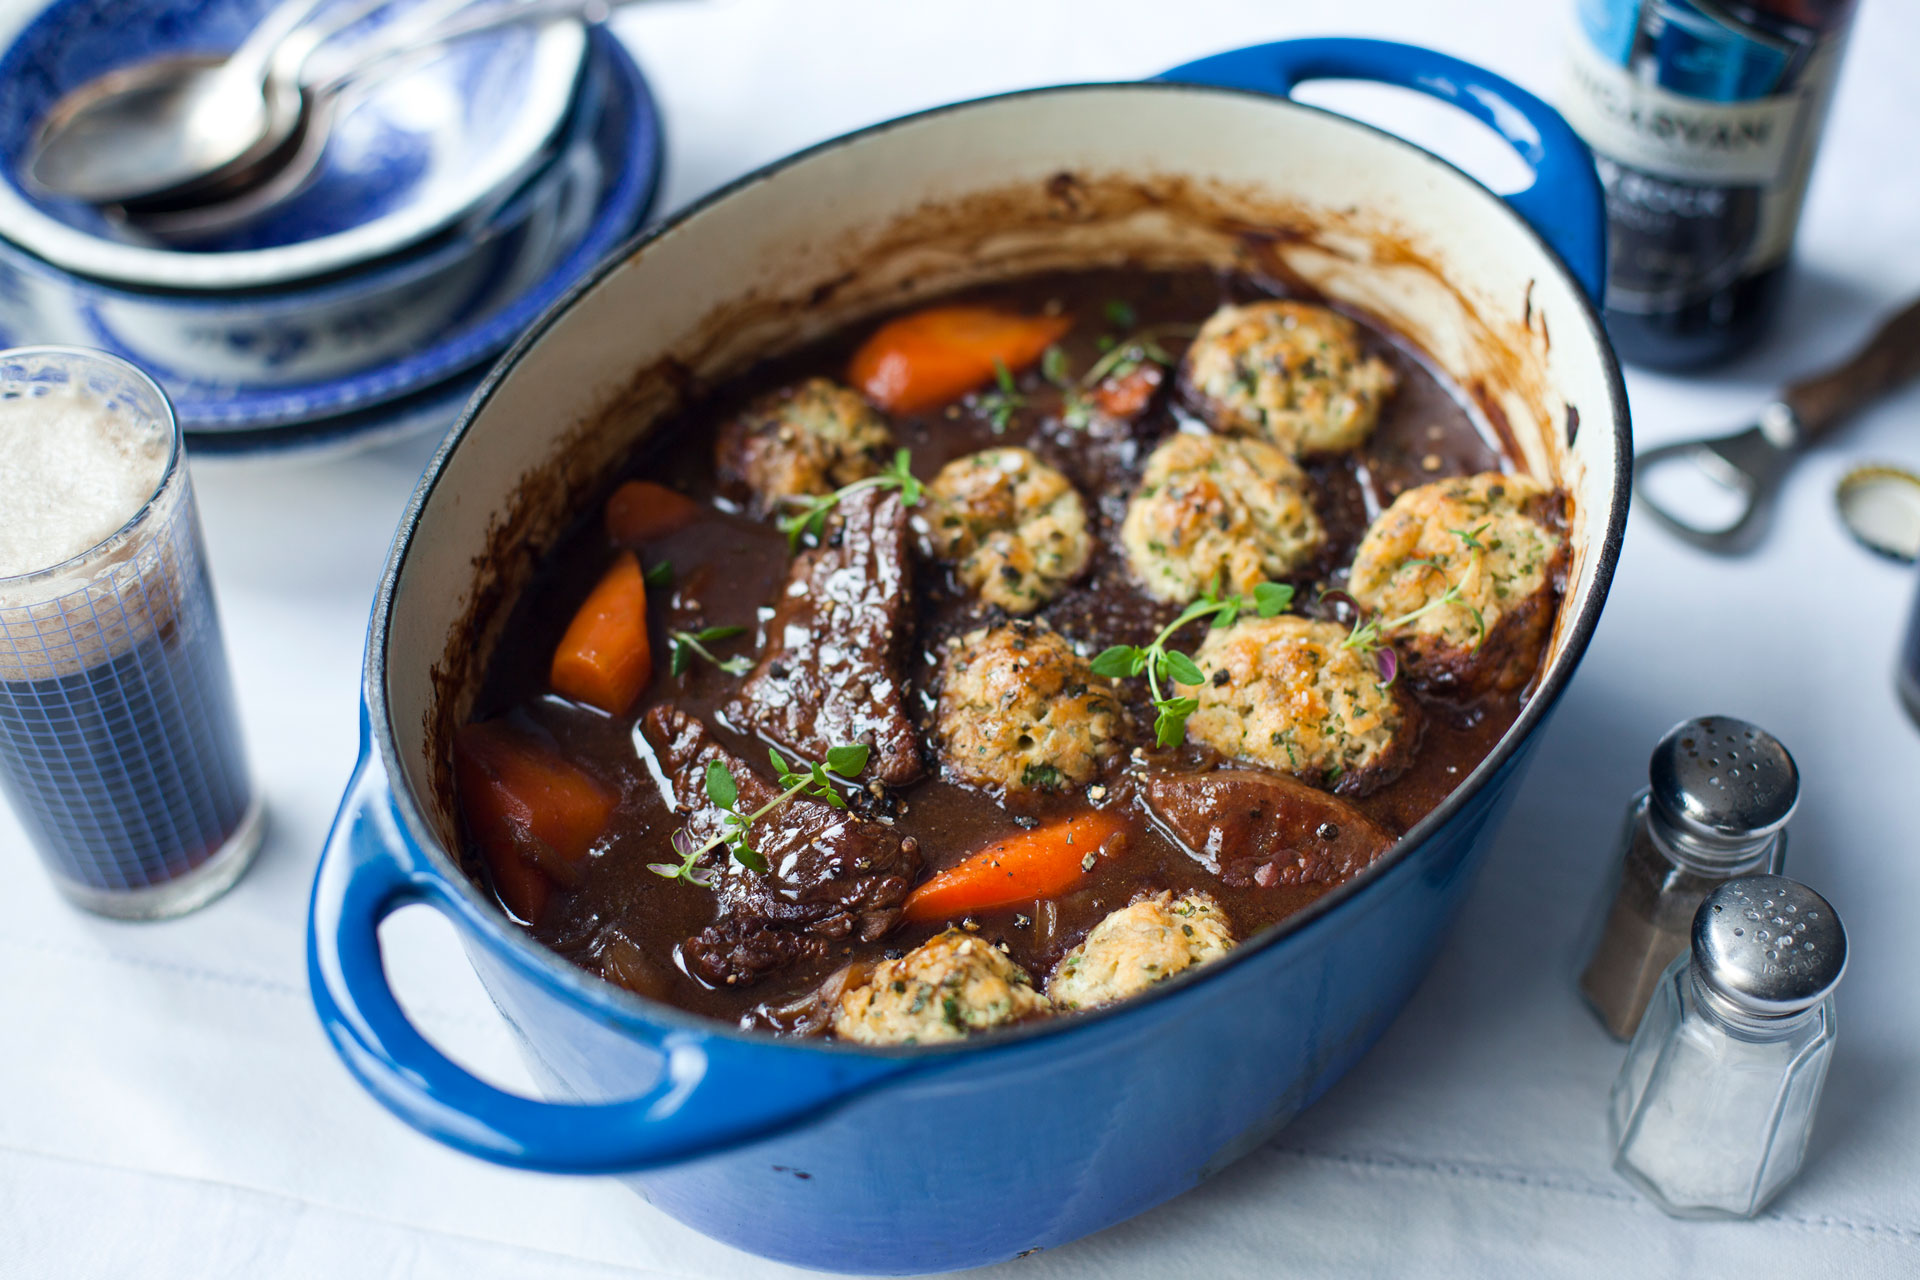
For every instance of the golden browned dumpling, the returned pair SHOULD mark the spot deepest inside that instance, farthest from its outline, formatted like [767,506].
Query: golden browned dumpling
[1213,511]
[1137,946]
[1014,528]
[947,988]
[1489,539]
[807,439]
[1290,693]
[1290,372]
[1019,711]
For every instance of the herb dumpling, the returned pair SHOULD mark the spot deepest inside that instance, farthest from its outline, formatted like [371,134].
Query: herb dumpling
[1013,528]
[1138,946]
[1489,541]
[1291,373]
[948,988]
[1291,694]
[1213,512]
[1020,711]
[802,441]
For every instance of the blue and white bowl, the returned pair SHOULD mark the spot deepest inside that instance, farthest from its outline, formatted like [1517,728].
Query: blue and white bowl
[246,363]
[406,160]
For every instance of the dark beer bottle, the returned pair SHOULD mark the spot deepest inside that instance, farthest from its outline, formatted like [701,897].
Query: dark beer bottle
[1703,116]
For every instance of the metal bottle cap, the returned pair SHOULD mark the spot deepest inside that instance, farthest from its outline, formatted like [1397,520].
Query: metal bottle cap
[1769,945]
[1880,505]
[1723,782]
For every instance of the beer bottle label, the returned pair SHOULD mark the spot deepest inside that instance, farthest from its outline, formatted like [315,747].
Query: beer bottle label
[1704,128]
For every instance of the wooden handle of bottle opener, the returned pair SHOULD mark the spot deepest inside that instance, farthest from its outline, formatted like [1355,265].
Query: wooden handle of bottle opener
[1890,358]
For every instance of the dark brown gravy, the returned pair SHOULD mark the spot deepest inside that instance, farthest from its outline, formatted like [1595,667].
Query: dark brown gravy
[625,922]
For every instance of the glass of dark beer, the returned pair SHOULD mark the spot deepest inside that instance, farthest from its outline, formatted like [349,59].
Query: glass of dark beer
[120,746]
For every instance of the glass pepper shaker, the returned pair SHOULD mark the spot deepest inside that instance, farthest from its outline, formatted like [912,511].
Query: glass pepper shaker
[1720,793]
[1711,1112]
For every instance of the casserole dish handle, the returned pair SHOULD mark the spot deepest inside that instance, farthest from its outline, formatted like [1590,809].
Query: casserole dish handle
[1565,204]
[711,1094]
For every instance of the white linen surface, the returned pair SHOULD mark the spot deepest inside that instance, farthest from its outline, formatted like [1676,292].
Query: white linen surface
[171,1109]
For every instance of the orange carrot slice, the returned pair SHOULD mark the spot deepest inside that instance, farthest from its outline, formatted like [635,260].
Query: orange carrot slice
[533,815]
[1041,863]
[640,511]
[923,360]
[605,660]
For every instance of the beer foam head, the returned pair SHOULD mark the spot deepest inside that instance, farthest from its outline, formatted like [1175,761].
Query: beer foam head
[73,470]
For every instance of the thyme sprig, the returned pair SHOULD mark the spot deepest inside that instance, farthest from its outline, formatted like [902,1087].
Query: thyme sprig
[1159,663]
[811,519]
[723,791]
[685,646]
[1369,636]
[1001,403]
[1121,357]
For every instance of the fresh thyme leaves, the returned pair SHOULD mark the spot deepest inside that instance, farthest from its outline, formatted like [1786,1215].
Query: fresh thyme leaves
[1053,367]
[1004,400]
[723,791]
[1158,663]
[688,645]
[1471,537]
[811,519]
[1121,357]
[659,575]
[1369,637]
[1120,315]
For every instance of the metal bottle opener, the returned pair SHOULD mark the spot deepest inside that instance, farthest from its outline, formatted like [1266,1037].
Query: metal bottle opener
[1751,463]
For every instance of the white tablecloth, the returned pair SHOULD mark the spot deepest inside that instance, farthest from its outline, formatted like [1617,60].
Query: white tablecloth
[171,1110]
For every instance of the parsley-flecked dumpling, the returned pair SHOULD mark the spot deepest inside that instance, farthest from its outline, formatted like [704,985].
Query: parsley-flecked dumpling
[1138,946]
[1020,711]
[1291,373]
[1014,528]
[1493,538]
[1289,693]
[947,988]
[1217,511]
[799,441]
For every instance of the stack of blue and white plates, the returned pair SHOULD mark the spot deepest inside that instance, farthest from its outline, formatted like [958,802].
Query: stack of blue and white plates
[453,203]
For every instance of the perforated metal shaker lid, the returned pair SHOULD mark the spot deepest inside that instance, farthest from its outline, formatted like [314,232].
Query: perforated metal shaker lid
[1723,781]
[1770,945]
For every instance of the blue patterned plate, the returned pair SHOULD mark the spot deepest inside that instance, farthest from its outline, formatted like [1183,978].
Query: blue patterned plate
[407,158]
[248,373]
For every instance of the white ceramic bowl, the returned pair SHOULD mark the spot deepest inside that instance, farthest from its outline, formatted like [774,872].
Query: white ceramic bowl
[411,157]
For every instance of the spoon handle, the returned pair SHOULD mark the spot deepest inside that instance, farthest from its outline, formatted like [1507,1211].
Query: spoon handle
[468,20]
[256,55]
[1887,362]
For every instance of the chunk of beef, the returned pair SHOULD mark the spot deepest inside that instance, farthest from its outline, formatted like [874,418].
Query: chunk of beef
[1252,827]
[831,672]
[832,877]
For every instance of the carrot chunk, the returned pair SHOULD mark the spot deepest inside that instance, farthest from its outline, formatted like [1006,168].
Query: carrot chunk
[923,360]
[1041,863]
[533,815]
[640,511]
[605,660]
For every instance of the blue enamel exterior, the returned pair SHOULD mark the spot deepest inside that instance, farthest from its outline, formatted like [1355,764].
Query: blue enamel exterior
[1564,204]
[917,1160]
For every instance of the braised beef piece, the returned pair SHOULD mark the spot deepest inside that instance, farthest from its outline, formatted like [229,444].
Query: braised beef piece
[1276,830]
[831,672]
[833,878]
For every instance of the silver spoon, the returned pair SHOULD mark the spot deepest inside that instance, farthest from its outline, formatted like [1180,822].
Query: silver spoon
[278,183]
[160,125]
[290,113]
[1748,466]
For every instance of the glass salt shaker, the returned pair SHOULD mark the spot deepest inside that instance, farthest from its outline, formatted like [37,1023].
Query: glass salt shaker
[1720,793]
[1712,1109]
